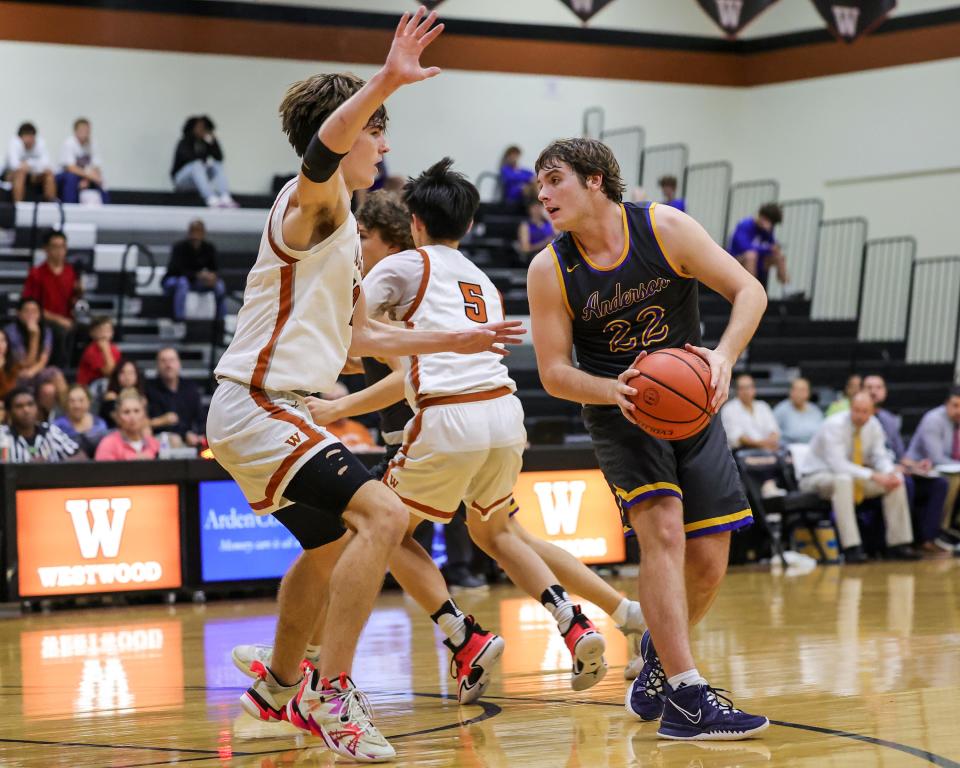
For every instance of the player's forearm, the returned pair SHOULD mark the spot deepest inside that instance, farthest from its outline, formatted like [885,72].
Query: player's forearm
[384,393]
[749,304]
[342,128]
[381,340]
[569,383]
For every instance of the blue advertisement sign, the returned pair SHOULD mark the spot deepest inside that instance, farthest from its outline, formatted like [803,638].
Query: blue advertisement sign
[235,543]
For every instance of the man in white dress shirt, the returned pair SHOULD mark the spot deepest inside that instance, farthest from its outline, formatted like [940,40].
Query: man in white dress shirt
[847,463]
[748,422]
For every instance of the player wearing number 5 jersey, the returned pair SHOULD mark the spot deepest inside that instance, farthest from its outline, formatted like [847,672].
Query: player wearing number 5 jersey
[621,282]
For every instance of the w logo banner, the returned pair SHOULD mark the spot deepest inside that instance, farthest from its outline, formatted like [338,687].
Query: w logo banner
[733,15]
[560,505]
[586,9]
[850,19]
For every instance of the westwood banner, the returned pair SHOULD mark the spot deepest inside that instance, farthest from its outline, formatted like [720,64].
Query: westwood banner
[733,15]
[850,19]
[572,509]
[76,541]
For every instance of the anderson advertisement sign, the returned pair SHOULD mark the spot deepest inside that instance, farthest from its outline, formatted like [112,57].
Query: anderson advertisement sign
[104,539]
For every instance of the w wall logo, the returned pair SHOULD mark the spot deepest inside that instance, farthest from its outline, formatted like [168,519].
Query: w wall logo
[733,15]
[113,539]
[851,19]
[573,510]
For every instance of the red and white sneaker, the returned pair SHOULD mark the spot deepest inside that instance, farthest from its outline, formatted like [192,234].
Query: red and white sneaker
[244,657]
[340,714]
[266,699]
[473,660]
[586,645]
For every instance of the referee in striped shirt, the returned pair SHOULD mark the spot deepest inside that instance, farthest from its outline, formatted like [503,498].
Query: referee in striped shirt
[25,441]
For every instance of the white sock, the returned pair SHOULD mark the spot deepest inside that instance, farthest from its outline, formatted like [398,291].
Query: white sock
[690,677]
[312,651]
[628,615]
[556,600]
[450,620]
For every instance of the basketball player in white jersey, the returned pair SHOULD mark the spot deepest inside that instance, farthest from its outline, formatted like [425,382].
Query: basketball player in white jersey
[303,313]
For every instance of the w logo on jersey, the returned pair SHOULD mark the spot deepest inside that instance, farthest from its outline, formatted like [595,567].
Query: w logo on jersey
[560,505]
[294,440]
[734,15]
[103,534]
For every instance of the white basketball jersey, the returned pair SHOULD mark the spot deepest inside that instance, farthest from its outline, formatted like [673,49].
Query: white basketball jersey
[454,294]
[294,328]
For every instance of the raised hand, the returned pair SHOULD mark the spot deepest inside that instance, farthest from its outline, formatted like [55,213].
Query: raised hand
[413,35]
[484,338]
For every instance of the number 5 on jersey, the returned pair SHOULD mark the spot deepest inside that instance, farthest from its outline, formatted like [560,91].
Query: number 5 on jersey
[474,307]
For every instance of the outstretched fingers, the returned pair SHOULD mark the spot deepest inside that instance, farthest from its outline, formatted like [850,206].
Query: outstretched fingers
[413,22]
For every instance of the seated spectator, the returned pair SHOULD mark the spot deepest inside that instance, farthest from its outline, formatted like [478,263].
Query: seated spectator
[535,232]
[847,463]
[78,423]
[31,344]
[9,367]
[80,165]
[927,494]
[351,433]
[749,422]
[56,286]
[125,376]
[28,165]
[51,401]
[514,180]
[853,385]
[31,440]
[668,186]
[754,246]
[937,441]
[132,440]
[174,403]
[101,355]
[798,418]
[193,267]
[198,164]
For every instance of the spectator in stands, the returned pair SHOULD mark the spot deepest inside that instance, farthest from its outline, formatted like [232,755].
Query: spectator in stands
[351,433]
[9,367]
[80,165]
[748,422]
[31,344]
[514,180]
[51,402]
[937,440]
[198,164]
[78,423]
[29,439]
[28,165]
[668,186]
[853,385]
[927,494]
[174,402]
[798,418]
[535,232]
[132,440]
[56,286]
[193,267]
[754,246]
[101,355]
[847,463]
[125,376]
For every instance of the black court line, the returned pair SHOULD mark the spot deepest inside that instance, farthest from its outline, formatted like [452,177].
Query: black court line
[922,754]
[41,742]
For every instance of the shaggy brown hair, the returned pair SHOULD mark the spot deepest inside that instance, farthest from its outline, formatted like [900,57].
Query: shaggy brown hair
[587,157]
[308,103]
[384,213]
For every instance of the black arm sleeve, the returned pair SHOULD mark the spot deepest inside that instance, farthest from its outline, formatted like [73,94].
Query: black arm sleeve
[319,161]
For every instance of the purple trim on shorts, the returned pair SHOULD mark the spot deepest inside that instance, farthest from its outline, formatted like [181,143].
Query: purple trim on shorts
[742,523]
[625,505]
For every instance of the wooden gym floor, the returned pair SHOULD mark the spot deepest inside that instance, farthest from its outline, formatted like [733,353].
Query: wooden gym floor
[858,666]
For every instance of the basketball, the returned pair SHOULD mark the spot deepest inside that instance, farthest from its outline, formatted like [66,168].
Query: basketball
[673,393]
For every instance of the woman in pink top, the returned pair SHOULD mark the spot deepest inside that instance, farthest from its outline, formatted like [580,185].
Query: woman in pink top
[132,440]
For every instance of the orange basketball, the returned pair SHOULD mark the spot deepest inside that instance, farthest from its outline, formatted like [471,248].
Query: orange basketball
[673,393]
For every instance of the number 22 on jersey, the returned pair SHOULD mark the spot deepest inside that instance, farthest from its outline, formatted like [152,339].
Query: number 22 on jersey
[654,330]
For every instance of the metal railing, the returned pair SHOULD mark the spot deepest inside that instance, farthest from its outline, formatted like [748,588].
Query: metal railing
[746,197]
[593,120]
[663,160]
[885,289]
[627,146]
[34,223]
[135,248]
[799,237]
[706,190]
[838,269]
[933,327]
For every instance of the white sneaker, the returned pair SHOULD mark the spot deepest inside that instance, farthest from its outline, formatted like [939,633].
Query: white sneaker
[633,629]
[266,699]
[228,202]
[244,655]
[339,713]
[213,201]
